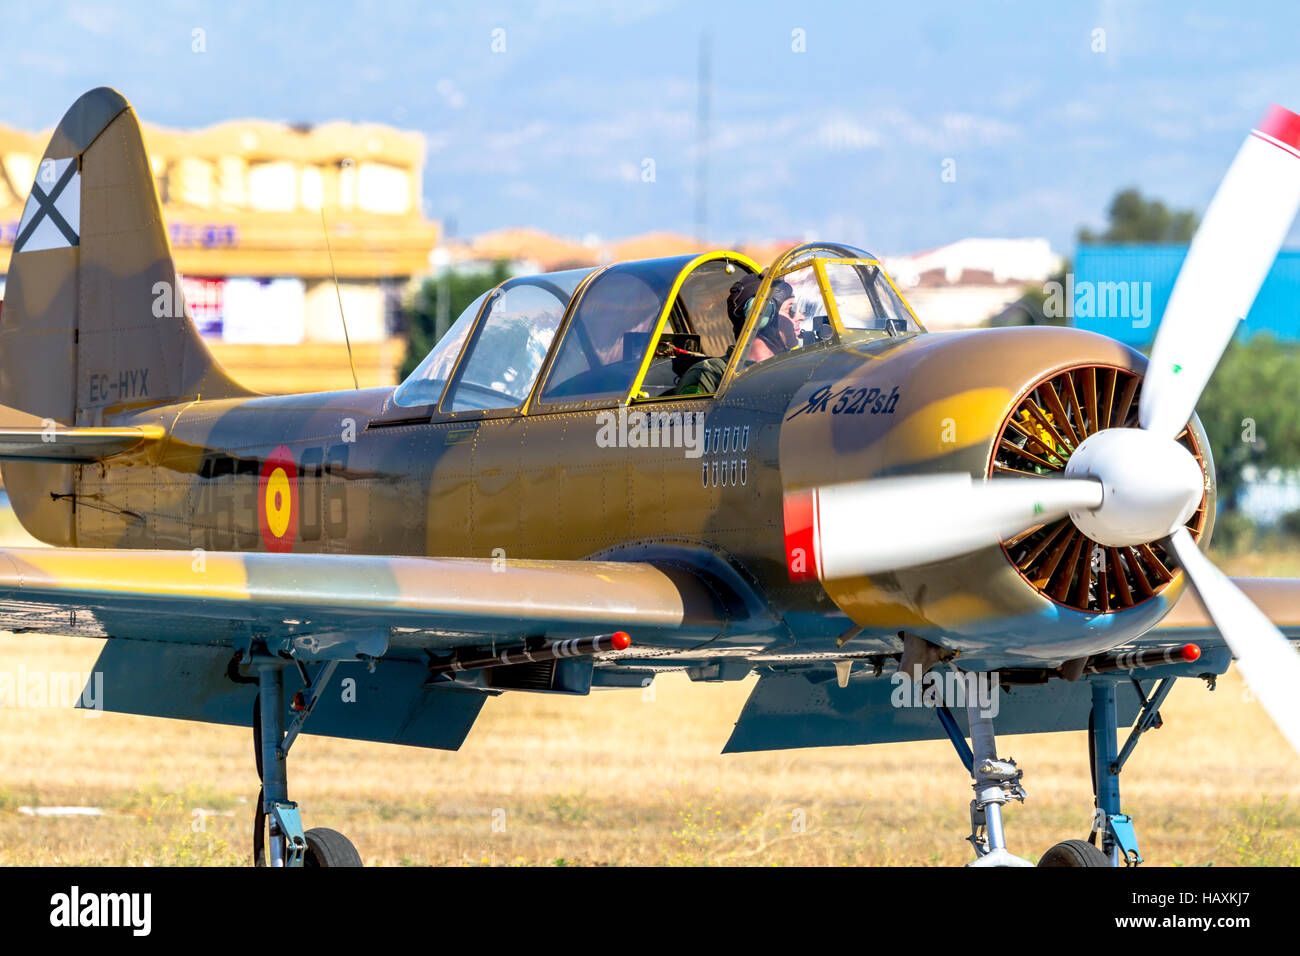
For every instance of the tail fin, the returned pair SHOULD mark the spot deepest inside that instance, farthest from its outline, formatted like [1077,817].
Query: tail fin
[82,337]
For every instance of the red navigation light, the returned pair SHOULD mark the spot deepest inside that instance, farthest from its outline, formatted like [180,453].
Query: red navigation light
[620,640]
[1191,652]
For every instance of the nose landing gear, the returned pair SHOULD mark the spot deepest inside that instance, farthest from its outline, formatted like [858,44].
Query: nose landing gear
[1113,839]
[996,783]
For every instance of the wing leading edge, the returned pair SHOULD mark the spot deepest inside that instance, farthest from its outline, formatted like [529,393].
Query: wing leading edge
[221,597]
[176,620]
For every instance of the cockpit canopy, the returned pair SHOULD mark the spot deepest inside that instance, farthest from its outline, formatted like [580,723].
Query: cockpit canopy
[636,331]
[508,346]
[674,303]
[821,292]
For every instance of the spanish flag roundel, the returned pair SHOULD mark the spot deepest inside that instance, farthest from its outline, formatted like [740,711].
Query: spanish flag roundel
[277,500]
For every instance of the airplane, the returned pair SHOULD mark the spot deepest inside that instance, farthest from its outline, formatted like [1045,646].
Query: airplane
[898,531]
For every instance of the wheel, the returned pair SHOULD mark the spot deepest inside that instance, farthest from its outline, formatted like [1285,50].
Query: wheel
[1074,853]
[326,847]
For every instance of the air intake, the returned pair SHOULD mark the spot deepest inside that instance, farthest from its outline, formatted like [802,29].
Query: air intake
[1037,439]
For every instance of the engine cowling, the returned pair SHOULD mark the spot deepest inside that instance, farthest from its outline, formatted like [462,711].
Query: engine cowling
[1039,437]
[987,403]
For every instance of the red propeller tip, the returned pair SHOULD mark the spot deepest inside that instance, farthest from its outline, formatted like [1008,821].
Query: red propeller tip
[1282,125]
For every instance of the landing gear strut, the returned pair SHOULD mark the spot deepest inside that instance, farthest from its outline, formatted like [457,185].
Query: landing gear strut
[290,845]
[1115,828]
[1113,838]
[996,783]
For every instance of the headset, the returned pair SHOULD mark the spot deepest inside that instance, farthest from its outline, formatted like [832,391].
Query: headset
[770,307]
[768,313]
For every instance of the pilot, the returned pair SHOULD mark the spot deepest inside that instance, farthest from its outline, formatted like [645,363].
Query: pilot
[775,335]
[778,331]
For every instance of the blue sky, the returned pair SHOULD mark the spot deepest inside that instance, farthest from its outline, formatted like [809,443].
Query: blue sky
[844,140]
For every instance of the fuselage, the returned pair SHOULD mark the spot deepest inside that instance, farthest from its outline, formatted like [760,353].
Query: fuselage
[521,435]
[347,472]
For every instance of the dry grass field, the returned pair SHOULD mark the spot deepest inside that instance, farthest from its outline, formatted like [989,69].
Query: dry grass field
[618,779]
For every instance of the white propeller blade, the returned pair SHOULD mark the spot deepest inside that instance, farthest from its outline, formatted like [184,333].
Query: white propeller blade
[841,531]
[1230,255]
[1268,662]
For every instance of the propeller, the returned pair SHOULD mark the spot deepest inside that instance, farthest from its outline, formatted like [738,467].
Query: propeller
[919,520]
[1122,486]
[1267,660]
[1226,263]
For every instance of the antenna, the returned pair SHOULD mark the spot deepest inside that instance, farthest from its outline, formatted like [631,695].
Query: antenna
[339,294]
[702,138]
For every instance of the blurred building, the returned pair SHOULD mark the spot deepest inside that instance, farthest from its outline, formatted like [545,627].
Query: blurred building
[965,283]
[243,202]
[524,249]
[528,250]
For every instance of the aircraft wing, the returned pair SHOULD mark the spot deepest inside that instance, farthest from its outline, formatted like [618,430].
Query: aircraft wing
[806,709]
[177,618]
[221,597]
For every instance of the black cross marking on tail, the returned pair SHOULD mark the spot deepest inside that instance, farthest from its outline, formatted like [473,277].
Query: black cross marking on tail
[46,208]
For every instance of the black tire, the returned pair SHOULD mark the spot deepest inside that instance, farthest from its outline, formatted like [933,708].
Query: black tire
[1074,853]
[326,847]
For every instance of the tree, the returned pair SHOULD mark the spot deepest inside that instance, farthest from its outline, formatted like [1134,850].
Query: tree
[426,323]
[1250,412]
[1135,219]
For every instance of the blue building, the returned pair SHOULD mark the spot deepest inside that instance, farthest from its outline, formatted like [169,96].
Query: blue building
[1122,291]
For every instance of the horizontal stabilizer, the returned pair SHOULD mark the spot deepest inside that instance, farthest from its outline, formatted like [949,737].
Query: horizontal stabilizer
[72,444]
